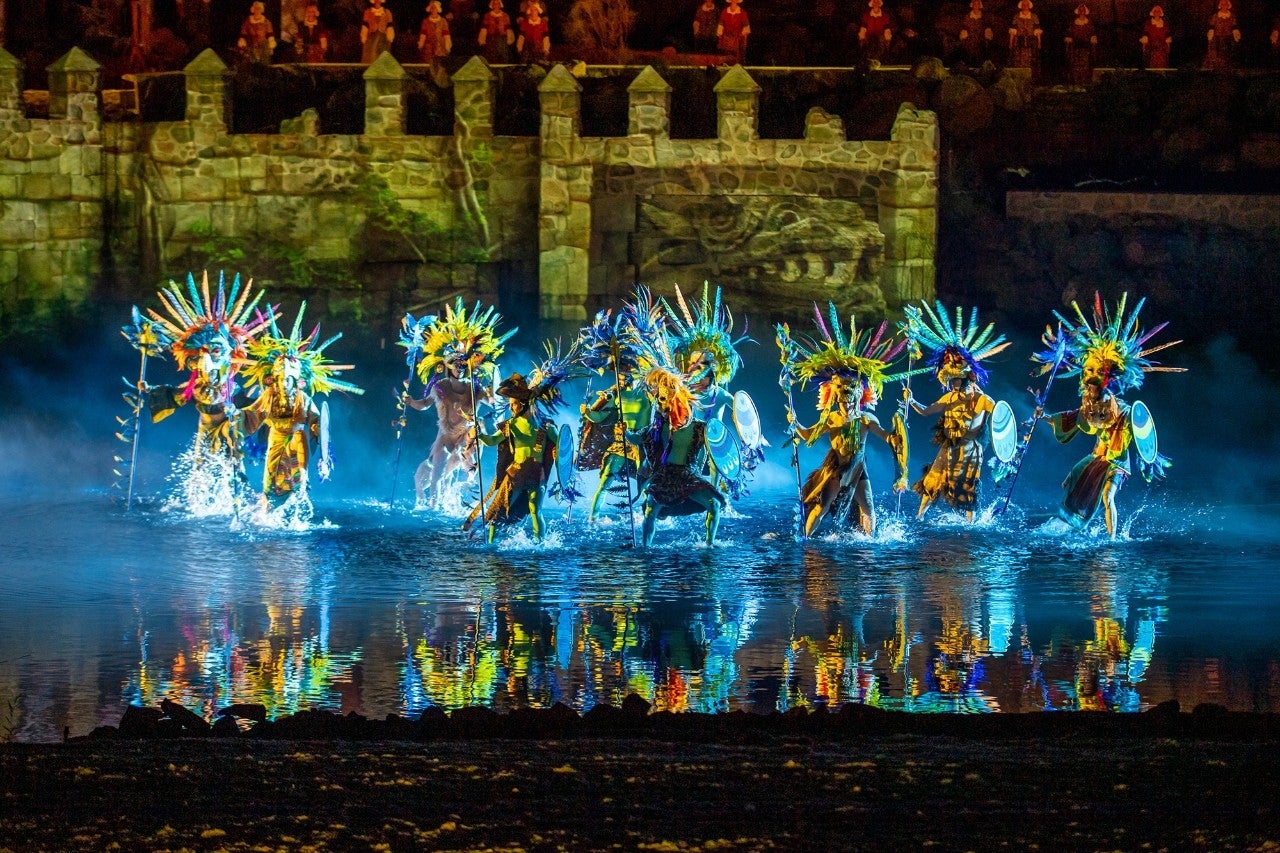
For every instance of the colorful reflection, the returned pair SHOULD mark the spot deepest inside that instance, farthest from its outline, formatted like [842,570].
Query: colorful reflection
[338,618]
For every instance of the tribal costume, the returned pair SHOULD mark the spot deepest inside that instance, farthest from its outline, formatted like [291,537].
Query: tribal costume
[287,372]
[676,449]
[1108,355]
[612,424]
[210,335]
[528,444]
[957,350]
[456,356]
[851,372]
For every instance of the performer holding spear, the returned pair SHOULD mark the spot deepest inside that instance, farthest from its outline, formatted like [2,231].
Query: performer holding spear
[459,353]
[150,339]
[412,334]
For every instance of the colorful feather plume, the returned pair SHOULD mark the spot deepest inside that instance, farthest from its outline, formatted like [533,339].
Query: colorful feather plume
[702,336]
[863,355]
[197,316]
[1112,341]
[931,327]
[319,375]
[465,343]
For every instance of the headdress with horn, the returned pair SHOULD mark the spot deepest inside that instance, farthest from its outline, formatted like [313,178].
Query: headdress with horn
[933,328]
[1108,351]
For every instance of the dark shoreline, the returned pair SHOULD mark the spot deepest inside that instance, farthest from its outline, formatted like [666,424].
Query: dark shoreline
[851,779]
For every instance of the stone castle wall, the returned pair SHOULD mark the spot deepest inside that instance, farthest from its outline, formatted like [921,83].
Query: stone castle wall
[579,219]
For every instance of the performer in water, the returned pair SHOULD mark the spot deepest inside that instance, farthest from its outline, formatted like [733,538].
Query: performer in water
[704,350]
[613,422]
[850,372]
[1109,356]
[457,355]
[210,334]
[957,348]
[527,442]
[676,448]
[286,372]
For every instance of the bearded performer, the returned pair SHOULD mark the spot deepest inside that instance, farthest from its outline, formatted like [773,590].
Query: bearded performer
[850,372]
[210,334]
[613,422]
[1110,356]
[286,372]
[527,442]
[957,348]
[457,356]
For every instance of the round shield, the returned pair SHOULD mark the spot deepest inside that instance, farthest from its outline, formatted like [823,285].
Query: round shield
[325,466]
[724,451]
[564,465]
[746,420]
[1004,431]
[1144,432]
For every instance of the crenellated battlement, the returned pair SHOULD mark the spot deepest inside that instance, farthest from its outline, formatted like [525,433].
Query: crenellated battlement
[574,219]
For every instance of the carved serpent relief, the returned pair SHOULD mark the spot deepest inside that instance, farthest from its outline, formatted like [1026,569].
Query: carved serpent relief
[782,253]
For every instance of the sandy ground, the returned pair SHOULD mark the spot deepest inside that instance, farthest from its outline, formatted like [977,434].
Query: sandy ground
[1065,790]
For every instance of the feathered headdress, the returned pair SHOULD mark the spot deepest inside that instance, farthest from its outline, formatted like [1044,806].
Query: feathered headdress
[541,388]
[626,336]
[861,356]
[1110,348]
[319,375]
[197,318]
[456,341]
[702,337]
[934,329]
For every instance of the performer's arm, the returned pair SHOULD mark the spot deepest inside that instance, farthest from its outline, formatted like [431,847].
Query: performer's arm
[162,400]
[1065,425]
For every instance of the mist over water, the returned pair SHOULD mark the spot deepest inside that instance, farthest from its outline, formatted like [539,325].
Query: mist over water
[354,604]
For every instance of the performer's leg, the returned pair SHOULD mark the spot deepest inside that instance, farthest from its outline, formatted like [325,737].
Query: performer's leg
[535,513]
[813,517]
[862,497]
[1109,490]
[650,525]
[421,479]
[709,500]
[606,474]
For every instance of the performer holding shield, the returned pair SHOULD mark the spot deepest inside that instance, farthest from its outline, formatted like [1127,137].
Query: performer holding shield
[957,349]
[851,371]
[1110,358]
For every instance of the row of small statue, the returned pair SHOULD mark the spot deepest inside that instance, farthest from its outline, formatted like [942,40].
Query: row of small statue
[498,40]
[657,429]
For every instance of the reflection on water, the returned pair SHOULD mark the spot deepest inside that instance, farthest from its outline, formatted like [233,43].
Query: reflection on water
[379,611]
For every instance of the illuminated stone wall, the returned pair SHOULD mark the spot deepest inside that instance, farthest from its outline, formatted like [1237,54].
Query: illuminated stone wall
[572,221]
[52,188]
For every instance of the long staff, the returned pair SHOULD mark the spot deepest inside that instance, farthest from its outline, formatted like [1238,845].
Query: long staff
[149,339]
[906,387]
[626,445]
[1060,355]
[786,379]
[137,430]
[475,425]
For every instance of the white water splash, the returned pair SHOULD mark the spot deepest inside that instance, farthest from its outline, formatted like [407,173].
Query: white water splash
[214,488]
